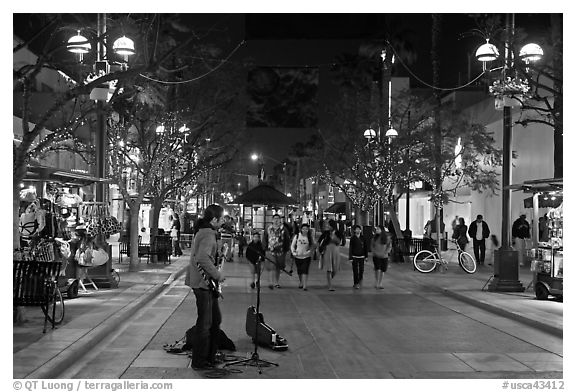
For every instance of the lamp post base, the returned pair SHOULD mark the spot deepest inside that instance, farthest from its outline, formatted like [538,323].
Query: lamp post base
[506,272]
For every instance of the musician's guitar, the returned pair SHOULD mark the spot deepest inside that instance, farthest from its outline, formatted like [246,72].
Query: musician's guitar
[213,285]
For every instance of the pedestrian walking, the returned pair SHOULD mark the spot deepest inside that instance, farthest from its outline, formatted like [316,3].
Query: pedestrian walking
[479,231]
[357,254]
[227,232]
[277,244]
[255,254]
[460,234]
[329,249]
[202,276]
[241,240]
[175,235]
[520,233]
[302,248]
[381,247]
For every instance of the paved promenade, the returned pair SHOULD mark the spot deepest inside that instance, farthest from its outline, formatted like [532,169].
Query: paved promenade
[96,314]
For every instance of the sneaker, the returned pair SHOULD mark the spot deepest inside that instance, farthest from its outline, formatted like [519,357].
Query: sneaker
[271,286]
[300,286]
[277,286]
[305,289]
[252,285]
[356,286]
[331,289]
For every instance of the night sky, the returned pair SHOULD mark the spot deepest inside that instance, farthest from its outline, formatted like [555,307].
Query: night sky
[316,39]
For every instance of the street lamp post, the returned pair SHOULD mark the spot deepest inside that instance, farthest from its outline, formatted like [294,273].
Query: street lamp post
[124,47]
[506,258]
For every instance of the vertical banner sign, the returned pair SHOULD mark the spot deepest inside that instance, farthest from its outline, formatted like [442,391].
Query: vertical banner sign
[283,97]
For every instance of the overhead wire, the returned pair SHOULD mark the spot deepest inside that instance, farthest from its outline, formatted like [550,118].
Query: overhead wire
[198,77]
[227,59]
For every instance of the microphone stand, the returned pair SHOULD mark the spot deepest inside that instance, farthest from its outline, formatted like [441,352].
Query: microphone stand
[255,360]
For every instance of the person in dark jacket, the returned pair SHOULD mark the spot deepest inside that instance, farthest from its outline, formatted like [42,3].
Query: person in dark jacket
[479,231]
[520,233]
[202,272]
[460,234]
[255,255]
[357,254]
[175,235]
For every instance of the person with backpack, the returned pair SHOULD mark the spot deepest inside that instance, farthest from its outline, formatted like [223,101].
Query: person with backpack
[302,248]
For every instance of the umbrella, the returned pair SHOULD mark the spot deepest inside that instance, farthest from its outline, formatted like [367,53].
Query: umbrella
[264,194]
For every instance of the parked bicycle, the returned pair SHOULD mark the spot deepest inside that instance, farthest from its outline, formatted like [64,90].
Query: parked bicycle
[426,261]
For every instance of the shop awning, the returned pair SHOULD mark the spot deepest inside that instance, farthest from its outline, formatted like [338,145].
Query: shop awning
[337,208]
[550,192]
[533,186]
[264,194]
[64,177]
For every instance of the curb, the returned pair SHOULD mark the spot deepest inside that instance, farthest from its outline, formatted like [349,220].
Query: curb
[558,332]
[67,357]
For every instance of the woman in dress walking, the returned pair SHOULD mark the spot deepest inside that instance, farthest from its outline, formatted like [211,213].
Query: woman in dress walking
[302,247]
[329,243]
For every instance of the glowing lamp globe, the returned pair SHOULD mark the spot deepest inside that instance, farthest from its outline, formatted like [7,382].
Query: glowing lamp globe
[531,52]
[78,44]
[124,46]
[487,52]
[391,133]
[370,134]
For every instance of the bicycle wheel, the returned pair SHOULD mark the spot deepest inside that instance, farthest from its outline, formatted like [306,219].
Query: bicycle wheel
[467,262]
[55,307]
[425,261]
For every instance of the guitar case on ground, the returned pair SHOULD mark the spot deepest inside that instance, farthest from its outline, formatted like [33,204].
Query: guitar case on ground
[267,336]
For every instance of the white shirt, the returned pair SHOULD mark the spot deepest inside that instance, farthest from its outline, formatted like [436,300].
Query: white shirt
[479,235]
[301,247]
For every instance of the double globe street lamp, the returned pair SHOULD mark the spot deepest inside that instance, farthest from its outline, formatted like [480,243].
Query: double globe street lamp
[506,258]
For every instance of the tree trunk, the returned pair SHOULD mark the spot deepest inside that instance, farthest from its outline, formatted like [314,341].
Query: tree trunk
[134,260]
[154,218]
[15,217]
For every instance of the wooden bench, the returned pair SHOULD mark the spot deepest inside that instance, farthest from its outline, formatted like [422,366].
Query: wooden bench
[161,247]
[35,284]
[124,248]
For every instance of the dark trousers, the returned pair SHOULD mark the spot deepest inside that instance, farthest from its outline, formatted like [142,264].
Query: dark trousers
[358,269]
[176,251]
[479,250]
[302,265]
[207,326]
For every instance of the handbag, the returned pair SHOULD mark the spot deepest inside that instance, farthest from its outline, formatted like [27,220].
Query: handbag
[99,257]
[84,257]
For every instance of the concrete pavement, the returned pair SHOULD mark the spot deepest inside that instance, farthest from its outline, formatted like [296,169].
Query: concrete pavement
[93,316]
